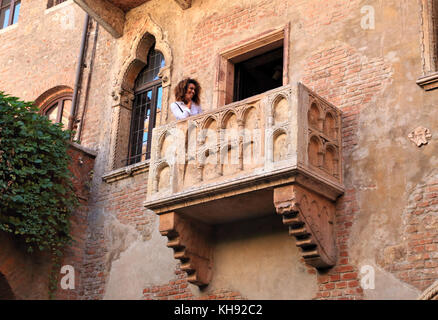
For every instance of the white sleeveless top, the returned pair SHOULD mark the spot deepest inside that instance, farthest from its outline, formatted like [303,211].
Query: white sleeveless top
[180,110]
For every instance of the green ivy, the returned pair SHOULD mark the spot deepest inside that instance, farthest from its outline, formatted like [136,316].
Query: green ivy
[36,192]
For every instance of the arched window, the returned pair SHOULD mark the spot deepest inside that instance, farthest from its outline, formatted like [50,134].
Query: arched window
[58,111]
[146,108]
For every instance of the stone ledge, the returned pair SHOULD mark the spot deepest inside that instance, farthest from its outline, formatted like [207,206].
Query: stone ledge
[58,6]
[90,152]
[126,172]
[429,82]
[9,28]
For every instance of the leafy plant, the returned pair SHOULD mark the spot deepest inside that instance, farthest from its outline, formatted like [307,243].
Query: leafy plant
[36,192]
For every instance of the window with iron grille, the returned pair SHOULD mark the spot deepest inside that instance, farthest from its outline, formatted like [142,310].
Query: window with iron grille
[9,11]
[146,108]
[52,3]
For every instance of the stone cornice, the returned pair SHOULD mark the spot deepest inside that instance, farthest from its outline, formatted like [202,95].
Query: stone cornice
[126,172]
[429,82]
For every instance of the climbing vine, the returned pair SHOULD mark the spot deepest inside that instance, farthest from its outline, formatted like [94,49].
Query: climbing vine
[36,192]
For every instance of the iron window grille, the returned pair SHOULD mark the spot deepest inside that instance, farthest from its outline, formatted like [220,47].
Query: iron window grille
[147,105]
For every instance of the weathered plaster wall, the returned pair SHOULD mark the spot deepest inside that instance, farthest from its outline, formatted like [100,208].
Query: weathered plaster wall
[247,259]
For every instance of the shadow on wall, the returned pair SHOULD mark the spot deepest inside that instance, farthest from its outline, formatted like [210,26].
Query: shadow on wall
[5,289]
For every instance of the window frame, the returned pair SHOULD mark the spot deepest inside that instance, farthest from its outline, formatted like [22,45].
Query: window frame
[259,44]
[12,6]
[136,158]
[57,100]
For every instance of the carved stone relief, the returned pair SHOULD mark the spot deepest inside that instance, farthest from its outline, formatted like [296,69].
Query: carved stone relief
[420,136]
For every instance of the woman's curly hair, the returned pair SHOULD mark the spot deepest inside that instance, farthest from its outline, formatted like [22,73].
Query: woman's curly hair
[181,89]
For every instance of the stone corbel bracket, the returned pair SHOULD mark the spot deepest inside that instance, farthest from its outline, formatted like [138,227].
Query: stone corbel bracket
[191,245]
[310,218]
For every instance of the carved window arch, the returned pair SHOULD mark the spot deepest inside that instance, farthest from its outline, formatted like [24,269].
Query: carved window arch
[148,93]
[148,36]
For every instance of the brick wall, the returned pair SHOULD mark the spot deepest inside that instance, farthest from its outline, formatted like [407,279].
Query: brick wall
[351,82]
[28,63]
[27,274]
[178,289]
[124,199]
[81,166]
[415,258]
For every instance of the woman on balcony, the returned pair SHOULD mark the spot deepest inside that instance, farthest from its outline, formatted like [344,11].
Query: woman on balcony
[187,96]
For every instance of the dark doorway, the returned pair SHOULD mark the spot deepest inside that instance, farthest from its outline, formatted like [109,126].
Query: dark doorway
[5,289]
[258,74]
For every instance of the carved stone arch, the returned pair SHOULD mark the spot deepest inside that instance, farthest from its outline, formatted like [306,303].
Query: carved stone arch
[280,151]
[141,44]
[315,114]
[148,33]
[280,112]
[330,127]
[205,128]
[226,115]
[315,150]
[159,177]
[331,159]
[161,140]
[244,114]
[207,121]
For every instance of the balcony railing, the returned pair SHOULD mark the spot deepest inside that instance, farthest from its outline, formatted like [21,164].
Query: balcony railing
[260,139]
[277,152]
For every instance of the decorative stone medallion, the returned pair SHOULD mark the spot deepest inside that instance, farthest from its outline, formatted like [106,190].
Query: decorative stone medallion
[420,136]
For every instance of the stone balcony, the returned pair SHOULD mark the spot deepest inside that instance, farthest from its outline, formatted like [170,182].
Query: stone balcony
[275,153]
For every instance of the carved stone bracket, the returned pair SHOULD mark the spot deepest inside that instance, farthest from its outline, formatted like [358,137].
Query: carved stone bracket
[310,218]
[191,244]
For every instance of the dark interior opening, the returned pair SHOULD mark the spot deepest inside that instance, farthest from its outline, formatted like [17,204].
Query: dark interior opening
[258,74]
[5,289]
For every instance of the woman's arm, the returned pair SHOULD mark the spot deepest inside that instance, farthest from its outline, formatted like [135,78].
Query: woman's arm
[179,112]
